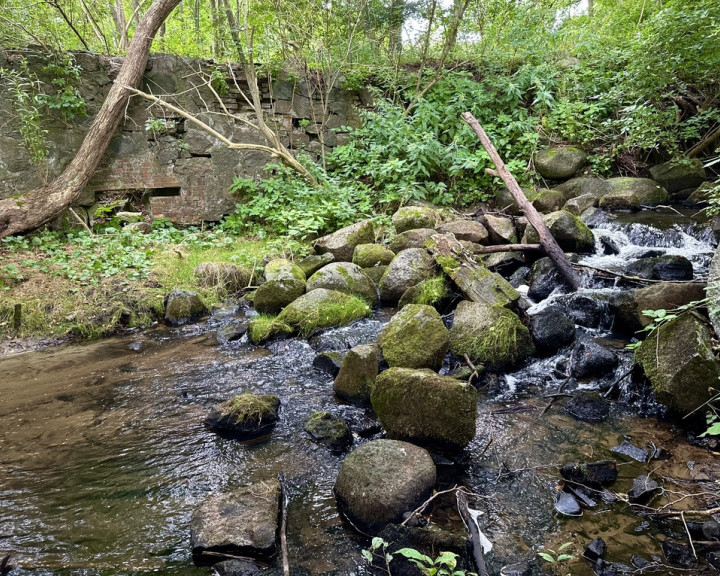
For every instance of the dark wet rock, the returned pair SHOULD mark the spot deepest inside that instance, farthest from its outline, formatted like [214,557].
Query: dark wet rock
[329,362]
[571,233]
[371,255]
[609,245]
[503,201]
[242,523]
[236,568]
[678,554]
[500,229]
[322,308]
[713,560]
[548,201]
[415,338]
[583,495]
[281,269]
[467,230]
[631,451]
[490,335]
[588,407]
[711,530]
[222,275]
[559,163]
[595,550]
[232,331]
[414,238]
[678,360]
[183,306]
[516,569]
[311,264]
[644,488]
[412,217]
[567,505]
[275,294]
[580,204]
[245,415]
[588,310]
[591,360]
[341,244]
[665,267]
[519,277]
[381,480]
[424,408]
[344,277]
[551,329]
[357,374]
[408,268]
[633,193]
[592,474]
[544,279]
[701,194]
[640,562]
[676,175]
[329,430]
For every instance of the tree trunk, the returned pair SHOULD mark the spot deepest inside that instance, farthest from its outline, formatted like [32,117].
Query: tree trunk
[42,205]
[118,14]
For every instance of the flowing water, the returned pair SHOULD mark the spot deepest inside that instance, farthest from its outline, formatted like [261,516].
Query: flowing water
[103,455]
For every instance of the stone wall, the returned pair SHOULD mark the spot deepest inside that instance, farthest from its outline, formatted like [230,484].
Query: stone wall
[182,173]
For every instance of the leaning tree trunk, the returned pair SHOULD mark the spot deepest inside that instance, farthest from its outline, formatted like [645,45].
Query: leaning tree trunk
[42,205]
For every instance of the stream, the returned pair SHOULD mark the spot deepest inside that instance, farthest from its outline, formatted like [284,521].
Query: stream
[104,456]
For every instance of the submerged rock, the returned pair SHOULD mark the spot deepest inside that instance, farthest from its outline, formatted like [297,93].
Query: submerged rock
[232,331]
[559,162]
[595,550]
[183,306]
[329,362]
[592,474]
[329,430]
[666,267]
[242,523]
[588,407]
[245,415]
[424,408]
[631,451]
[567,504]
[341,244]
[357,374]
[408,268]
[415,338]
[678,554]
[411,217]
[381,480]
[551,329]
[644,488]
[344,277]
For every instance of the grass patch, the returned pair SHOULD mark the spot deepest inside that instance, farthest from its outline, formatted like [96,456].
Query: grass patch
[253,407]
[263,327]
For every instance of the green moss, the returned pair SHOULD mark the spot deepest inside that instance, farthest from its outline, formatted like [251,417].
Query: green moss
[429,292]
[369,255]
[281,268]
[322,310]
[263,327]
[253,407]
[447,263]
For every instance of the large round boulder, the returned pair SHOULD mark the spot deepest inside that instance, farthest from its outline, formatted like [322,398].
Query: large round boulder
[322,308]
[371,255]
[341,244]
[344,277]
[549,201]
[381,480]
[678,175]
[273,296]
[415,338]
[312,263]
[571,233]
[281,269]
[411,217]
[633,193]
[559,163]
[425,408]
[468,230]
[584,185]
[408,268]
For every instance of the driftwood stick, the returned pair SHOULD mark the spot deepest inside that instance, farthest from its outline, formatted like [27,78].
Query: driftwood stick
[283,524]
[507,248]
[425,504]
[546,240]
[474,533]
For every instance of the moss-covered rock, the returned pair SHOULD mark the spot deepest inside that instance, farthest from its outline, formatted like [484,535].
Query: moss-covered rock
[329,430]
[415,338]
[376,273]
[571,233]
[341,244]
[223,275]
[408,268]
[264,327]
[491,335]
[580,204]
[500,229]
[414,238]
[183,306]
[632,193]
[679,174]
[468,230]
[433,292]
[584,185]
[245,415]
[311,264]
[344,277]
[274,295]
[411,217]
[701,195]
[322,308]
[503,200]
[424,408]
[679,362]
[357,374]
[282,269]
[559,163]
[371,255]
[549,200]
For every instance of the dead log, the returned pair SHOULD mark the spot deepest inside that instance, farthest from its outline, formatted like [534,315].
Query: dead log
[551,247]
[507,248]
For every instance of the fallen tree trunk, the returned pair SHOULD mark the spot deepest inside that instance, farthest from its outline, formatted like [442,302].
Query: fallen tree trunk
[551,247]
[507,248]
[42,205]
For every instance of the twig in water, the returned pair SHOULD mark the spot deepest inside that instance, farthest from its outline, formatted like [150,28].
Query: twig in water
[682,517]
[283,524]
[562,386]
[424,505]
[612,386]
[474,376]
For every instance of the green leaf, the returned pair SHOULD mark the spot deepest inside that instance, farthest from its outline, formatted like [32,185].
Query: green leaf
[566,545]
[367,555]
[377,542]
[714,430]
[564,557]
[546,557]
[412,554]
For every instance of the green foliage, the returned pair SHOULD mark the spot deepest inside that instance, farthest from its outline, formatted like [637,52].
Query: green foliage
[23,91]
[661,317]
[64,97]
[445,564]
[555,557]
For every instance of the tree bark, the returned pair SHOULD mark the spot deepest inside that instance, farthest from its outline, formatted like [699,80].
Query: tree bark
[546,240]
[42,205]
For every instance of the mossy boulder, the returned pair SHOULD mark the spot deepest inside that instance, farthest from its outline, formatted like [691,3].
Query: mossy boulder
[223,275]
[579,204]
[357,374]
[500,229]
[411,217]
[468,230]
[490,335]
[584,185]
[678,175]
[341,244]
[381,480]
[329,430]
[549,201]
[344,277]
[183,306]
[433,292]
[571,233]
[503,200]
[376,273]
[414,238]
[265,327]
[559,162]
[425,408]
[322,308]
[245,415]
[415,338]
[408,268]
[633,193]
[281,269]
[371,255]
[679,362]
[273,296]
[311,264]
[701,195]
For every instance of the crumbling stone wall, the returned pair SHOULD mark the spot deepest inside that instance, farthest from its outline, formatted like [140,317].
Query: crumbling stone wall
[180,172]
